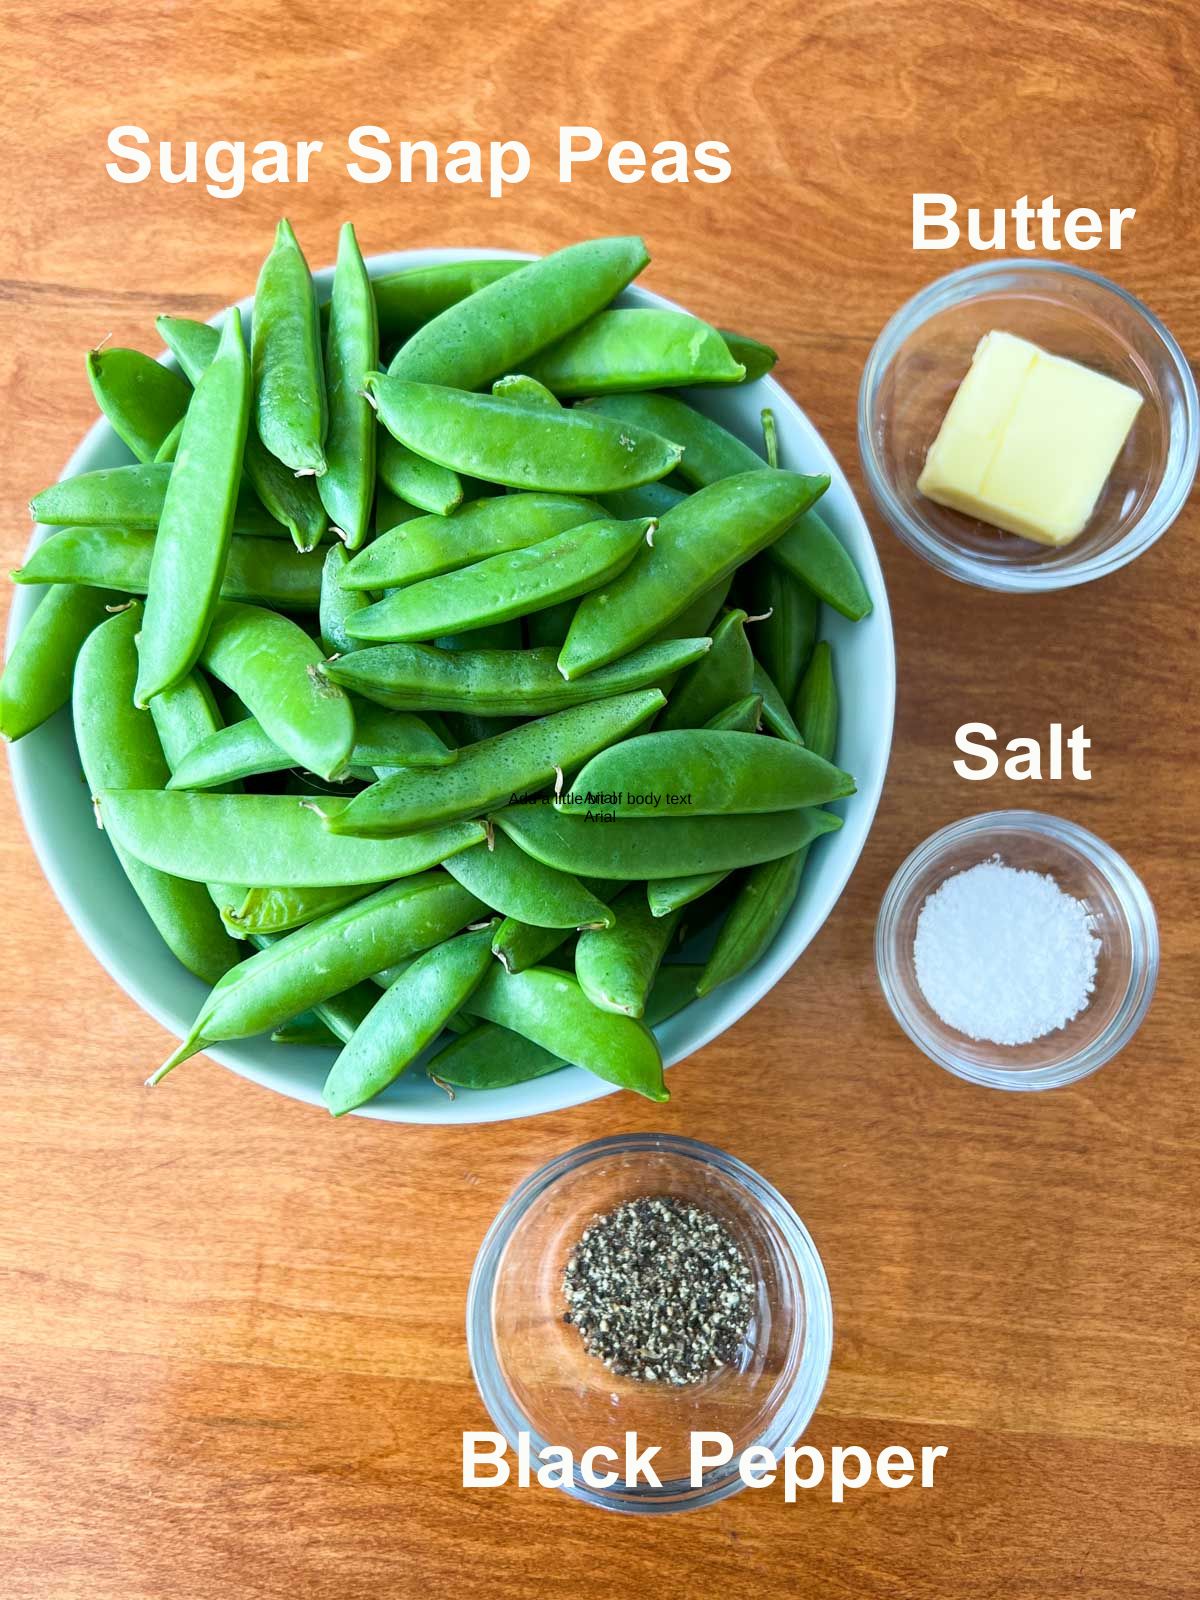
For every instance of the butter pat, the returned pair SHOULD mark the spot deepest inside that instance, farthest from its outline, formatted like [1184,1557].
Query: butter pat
[1029,441]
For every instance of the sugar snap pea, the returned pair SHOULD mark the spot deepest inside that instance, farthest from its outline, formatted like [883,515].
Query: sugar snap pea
[616,351]
[775,713]
[184,716]
[169,448]
[744,716]
[120,558]
[425,484]
[489,773]
[519,386]
[326,957]
[264,911]
[666,895]
[699,616]
[429,546]
[265,838]
[37,676]
[192,544]
[347,485]
[245,749]
[710,452]
[133,497]
[787,617]
[118,746]
[616,966]
[718,679]
[421,677]
[391,511]
[409,299]
[521,944]
[770,437]
[756,357]
[703,772]
[408,1016]
[667,847]
[504,586]
[770,889]
[338,603]
[289,387]
[523,446]
[698,544]
[552,1010]
[813,554]
[293,502]
[514,884]
[142,400]
[478,339]
[270,663]
[647,500]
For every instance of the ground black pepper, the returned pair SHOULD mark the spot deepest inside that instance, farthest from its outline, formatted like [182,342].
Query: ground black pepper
[660,1291]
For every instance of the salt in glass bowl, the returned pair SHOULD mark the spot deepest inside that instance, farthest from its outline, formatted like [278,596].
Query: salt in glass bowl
[922,356]
[1120,915]
[533,1371]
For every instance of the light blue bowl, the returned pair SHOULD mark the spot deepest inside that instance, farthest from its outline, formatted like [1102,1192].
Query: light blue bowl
[85,876]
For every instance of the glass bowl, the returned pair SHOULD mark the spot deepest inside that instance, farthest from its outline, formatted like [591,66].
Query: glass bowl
[536,1377]
[920,359]
[1121,917]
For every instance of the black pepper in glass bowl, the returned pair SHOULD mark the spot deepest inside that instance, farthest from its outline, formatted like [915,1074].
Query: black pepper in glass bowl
[649,1284]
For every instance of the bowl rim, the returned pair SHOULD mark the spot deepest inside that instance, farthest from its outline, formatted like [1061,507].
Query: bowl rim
[573,1087]
[1136,907]
[796,1407]
[955,288]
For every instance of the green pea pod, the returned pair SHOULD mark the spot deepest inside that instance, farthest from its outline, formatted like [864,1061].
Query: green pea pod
[192,543]
[710,452]
[142,400]
[551,1009]
[498,328]
[185,716]
[515,885]
[326,957]
[492,1057]
[698,617]
[347,487]
[817,703]
[424,484]
[408,1016]
[617,351]
[279,910]
[520,944]
[769,891]
[169,448]
[696,546]
[647,500]
[744,716]
[338,603]
[293,502]
[37,676]
[408,300]
[271,664]
[813,554]
[289,385]
[667,895]
[245,749]
[343,1014]
[307,1029]
[716,680]
[118,747]
[430,546]
[616,966]
[505,586]
[770,437]
[490,773]
[775,713]
[391,511]
[668,847]
[520,445]
[519,386]
[547,629]
[699,772]
[133,497]
[787,617]
[756,357]
[120,558]
[499,683]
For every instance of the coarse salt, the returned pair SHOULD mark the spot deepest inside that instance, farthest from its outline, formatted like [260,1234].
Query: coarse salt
[1004,955]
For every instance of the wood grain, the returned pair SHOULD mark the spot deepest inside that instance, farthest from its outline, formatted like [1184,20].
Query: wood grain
[233,1352]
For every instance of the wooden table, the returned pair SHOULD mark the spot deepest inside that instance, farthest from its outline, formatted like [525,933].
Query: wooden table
[233,1359]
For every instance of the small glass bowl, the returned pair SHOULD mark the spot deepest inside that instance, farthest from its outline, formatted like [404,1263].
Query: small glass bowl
[922,356]
[536,1377]
[1122,918]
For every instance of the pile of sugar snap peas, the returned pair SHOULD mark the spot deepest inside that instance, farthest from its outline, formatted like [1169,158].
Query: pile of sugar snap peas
[453,693]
